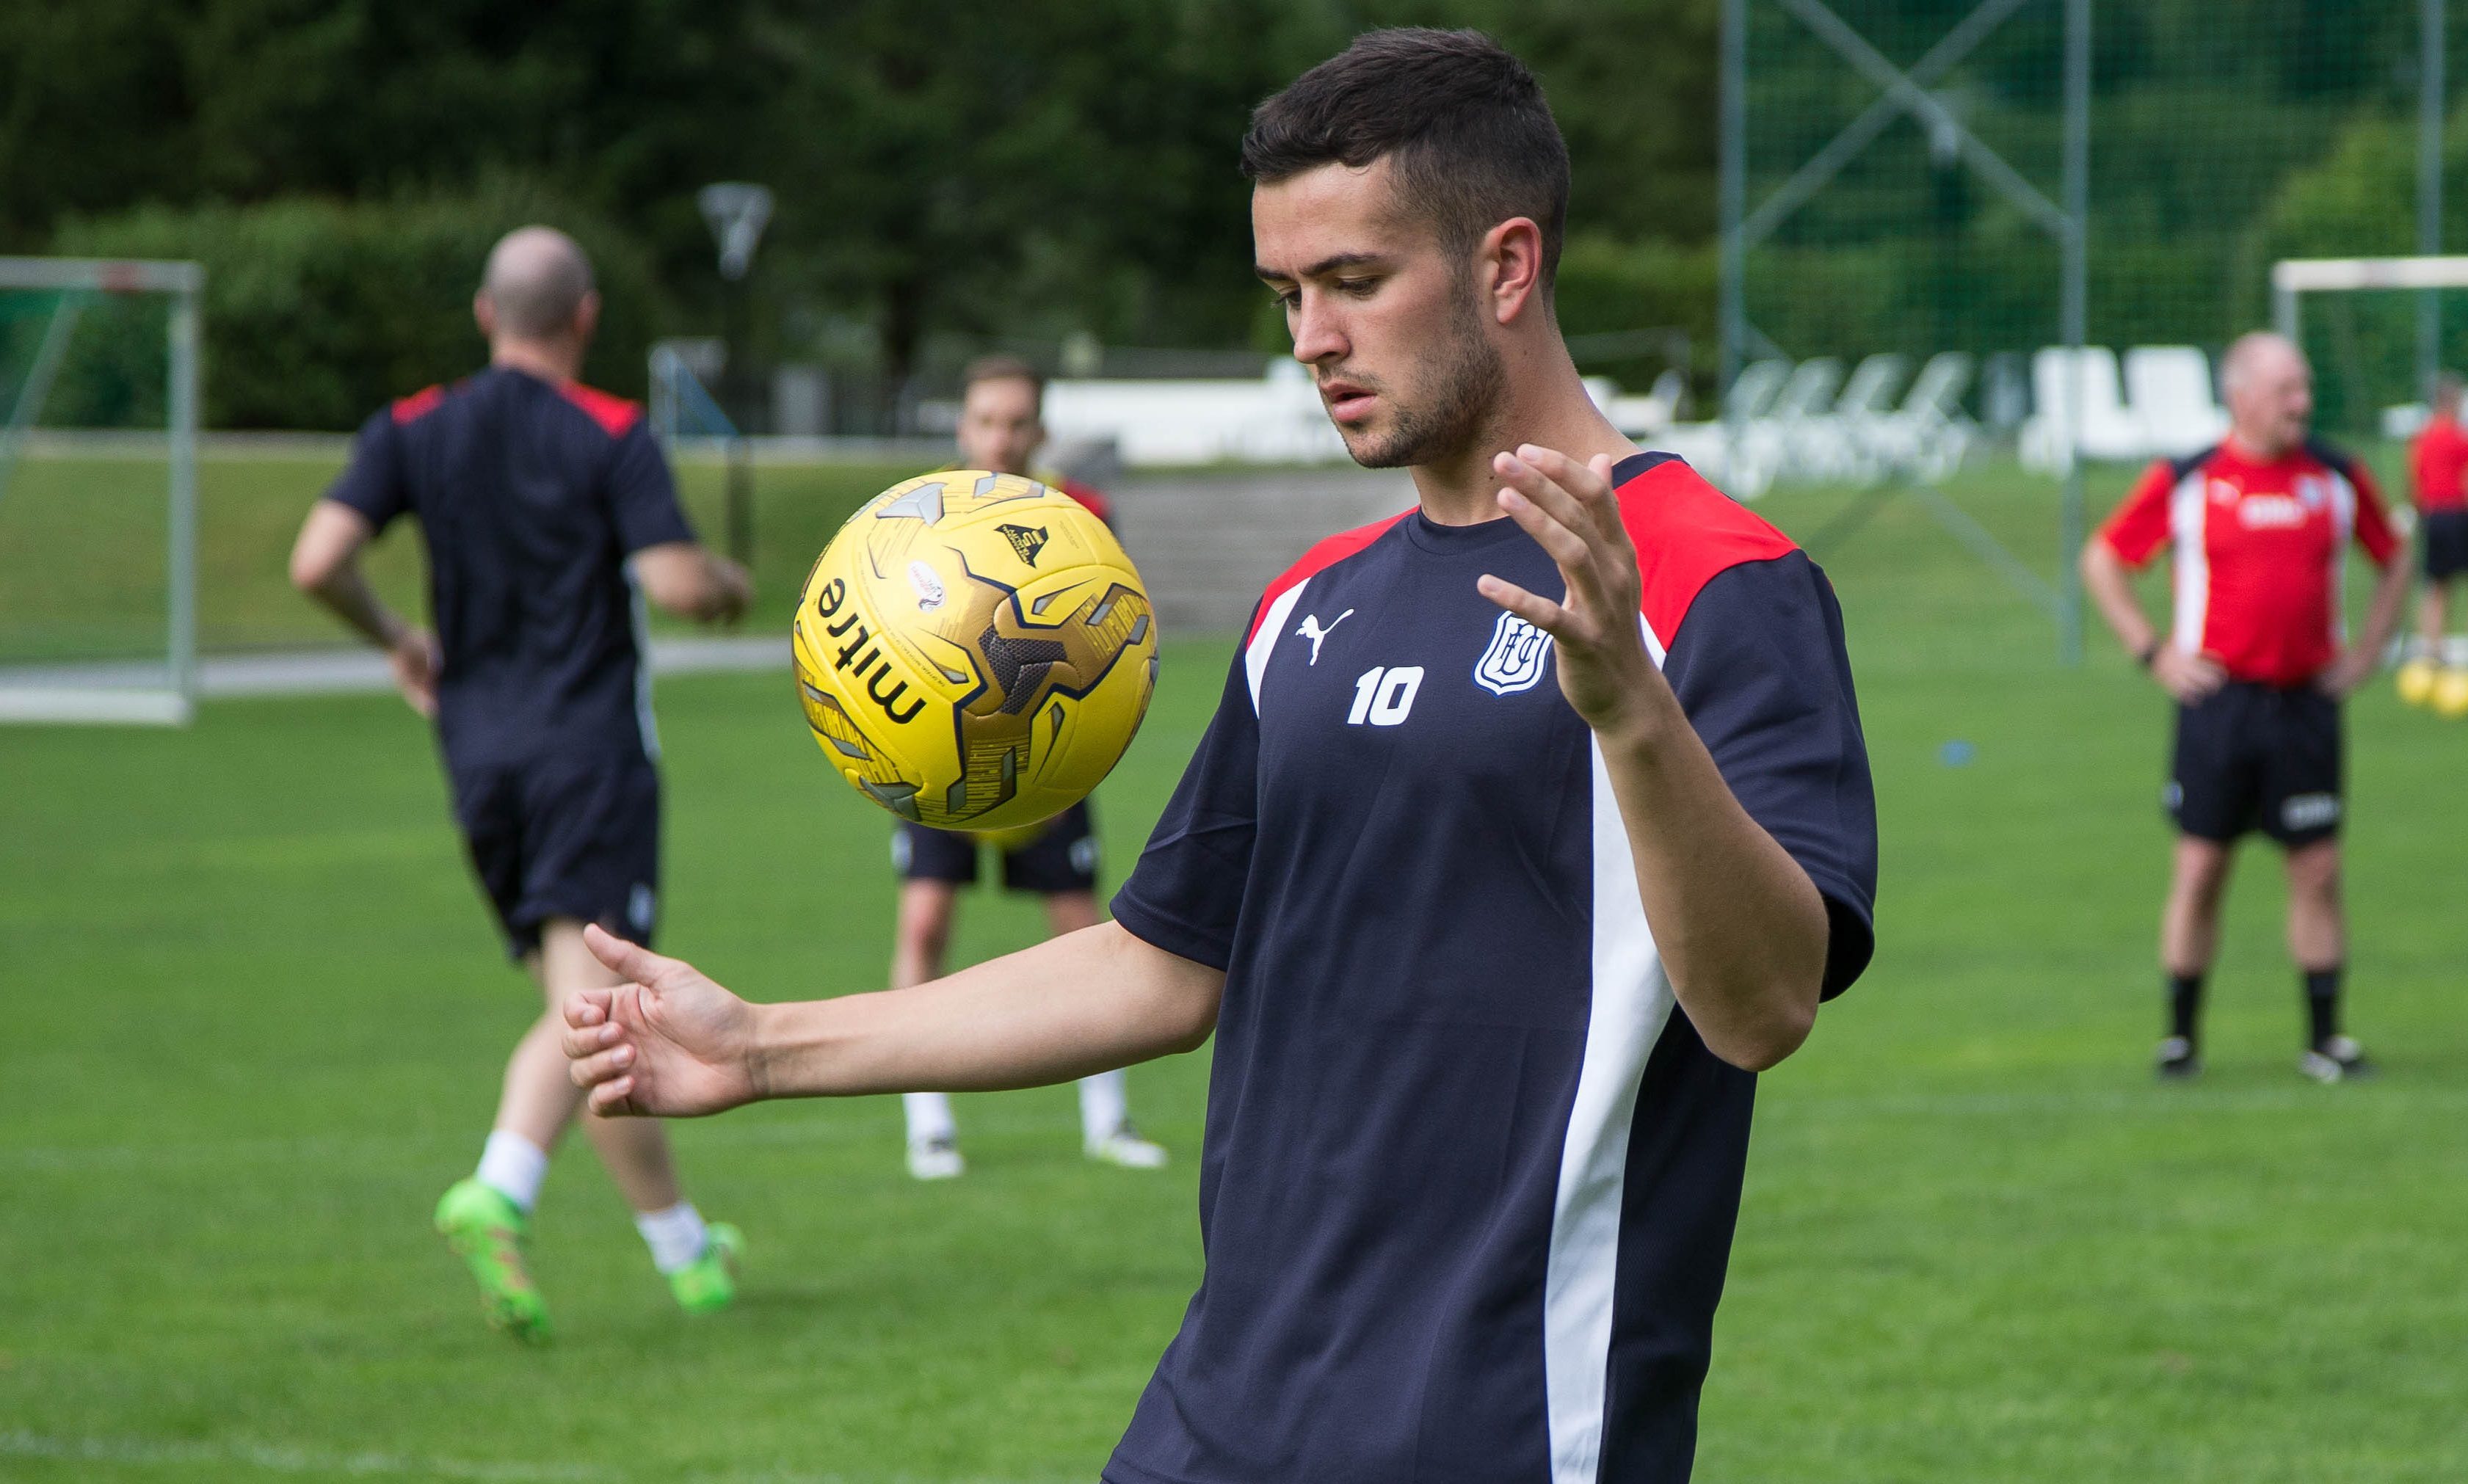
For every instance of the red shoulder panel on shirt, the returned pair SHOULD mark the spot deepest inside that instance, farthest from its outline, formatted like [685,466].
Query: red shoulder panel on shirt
[424,400]
[614,414]
[1687,532]
[1319,558]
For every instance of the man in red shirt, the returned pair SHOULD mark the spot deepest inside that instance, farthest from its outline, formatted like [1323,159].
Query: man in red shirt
[2259,529]
[2436,671]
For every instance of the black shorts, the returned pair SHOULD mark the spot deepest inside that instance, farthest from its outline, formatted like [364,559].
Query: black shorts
[565,837]
[2258,757]
[2446,544]
[1062,859]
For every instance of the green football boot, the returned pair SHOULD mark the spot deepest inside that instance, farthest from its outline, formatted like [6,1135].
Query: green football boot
[709,1282]
[488,1232]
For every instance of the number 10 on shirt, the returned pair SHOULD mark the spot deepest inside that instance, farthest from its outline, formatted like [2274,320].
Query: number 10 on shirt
[1383,697]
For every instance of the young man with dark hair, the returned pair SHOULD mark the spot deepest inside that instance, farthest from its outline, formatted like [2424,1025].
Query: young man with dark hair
[2260,528]
[1494,900]
[1001,429]
[547,511]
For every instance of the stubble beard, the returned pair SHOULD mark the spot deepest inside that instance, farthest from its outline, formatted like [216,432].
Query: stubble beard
[1452,411]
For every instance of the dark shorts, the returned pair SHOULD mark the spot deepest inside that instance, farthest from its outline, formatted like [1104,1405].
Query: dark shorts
[565,837]
[1062,859]
[2446,544]
[2258,757]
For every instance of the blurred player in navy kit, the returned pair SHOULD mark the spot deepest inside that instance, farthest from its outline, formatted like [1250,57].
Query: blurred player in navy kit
[1001,429]
[548,512]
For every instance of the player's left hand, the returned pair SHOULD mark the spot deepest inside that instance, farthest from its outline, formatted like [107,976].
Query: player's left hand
[2352,669]
[1570,510]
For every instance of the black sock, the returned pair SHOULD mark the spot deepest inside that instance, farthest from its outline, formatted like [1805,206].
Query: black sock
[2322,1003]
[2185,1004]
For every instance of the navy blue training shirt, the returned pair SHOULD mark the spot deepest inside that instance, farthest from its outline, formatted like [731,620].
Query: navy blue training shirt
[1470,1176]
[531,495]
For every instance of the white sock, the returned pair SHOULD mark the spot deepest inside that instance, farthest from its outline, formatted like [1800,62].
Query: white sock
[2418,647]
[513,1167]
[1104,1107]
[2455,652]
[929,1117]
[676,1235]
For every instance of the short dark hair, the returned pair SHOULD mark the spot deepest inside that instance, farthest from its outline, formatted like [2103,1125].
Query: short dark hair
[1003,368]
[1474,140]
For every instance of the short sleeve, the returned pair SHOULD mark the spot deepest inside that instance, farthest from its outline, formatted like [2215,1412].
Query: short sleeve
[372,482]
[2374,530]
[2139,525]
[1185,896]
[643,494]
[1760,667]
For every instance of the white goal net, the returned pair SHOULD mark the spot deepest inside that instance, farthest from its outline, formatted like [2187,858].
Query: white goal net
[98,490]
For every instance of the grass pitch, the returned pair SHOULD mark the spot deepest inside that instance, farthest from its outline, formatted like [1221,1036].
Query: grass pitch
[255,1017]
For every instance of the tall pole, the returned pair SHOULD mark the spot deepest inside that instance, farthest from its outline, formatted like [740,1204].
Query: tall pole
[185,336]
[738,384]
[2428,189]
[2072,312]
[1732,314]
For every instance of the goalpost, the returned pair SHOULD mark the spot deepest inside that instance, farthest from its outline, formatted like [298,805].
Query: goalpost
[2388,352]
[84,419]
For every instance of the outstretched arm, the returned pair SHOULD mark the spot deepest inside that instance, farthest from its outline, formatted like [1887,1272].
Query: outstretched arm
[326,565]
[1742,930]
[671,1043]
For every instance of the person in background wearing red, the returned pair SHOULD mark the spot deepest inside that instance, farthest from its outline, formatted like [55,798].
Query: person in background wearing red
[2259,660]
[2435,673]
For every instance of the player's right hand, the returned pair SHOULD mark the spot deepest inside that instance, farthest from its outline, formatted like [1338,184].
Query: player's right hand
[735,590]
[2188,677]
[415,662]
[668,1042]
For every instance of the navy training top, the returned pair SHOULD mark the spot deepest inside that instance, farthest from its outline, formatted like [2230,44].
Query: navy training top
[531,495]
[1469,1175]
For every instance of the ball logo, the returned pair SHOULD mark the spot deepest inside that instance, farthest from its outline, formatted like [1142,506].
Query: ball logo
[1026,540]
[1516,658]
[926,585]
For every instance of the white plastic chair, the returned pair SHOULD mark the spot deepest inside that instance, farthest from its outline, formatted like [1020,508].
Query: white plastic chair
[1929,435]
[1834,445]
[2109,429]
[2169,387]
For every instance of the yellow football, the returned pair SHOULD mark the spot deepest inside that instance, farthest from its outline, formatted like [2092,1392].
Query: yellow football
[2451,694]
[973,650]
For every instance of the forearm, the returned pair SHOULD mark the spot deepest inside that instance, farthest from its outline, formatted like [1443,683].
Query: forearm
[1086,1002]
[345,593]
[2382,617]
[2104,579]
[1741,929]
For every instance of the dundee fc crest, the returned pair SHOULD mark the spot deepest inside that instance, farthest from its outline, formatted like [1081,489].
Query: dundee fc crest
[1518,655]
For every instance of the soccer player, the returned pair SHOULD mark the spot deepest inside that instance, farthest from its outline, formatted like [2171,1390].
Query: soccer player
[2260,528]
[1001,429]
[547,508]
[2438,666]
[1532,823]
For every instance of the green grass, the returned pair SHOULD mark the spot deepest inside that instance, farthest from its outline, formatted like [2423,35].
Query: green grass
[255,1017]
[83,544]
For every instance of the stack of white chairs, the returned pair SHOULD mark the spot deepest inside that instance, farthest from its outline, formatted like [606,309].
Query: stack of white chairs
[2172,410]
[1929,435]
[1838,443]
